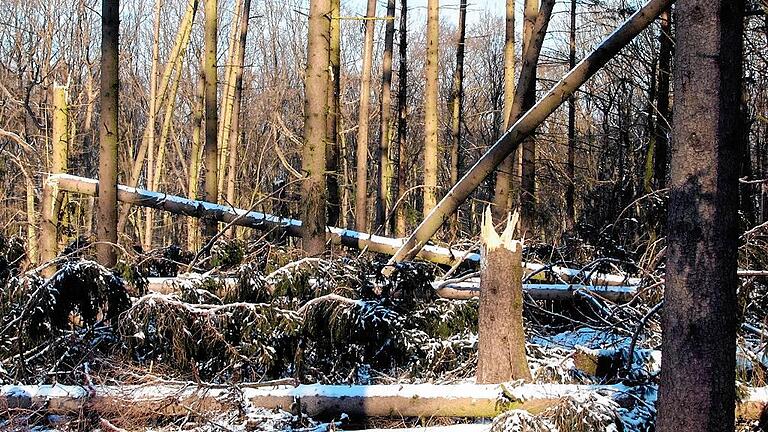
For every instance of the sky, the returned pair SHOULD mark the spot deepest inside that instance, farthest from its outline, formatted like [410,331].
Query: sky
[448,8]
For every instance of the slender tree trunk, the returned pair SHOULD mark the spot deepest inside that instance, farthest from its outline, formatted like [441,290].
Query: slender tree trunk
[210,151]
[504,175]
[237,99]
[385,165]
[402,121]
[228,101]
[570,192]
[174,61]
[106,231]
[193,225]
[663,114]
[334,111]
[151,121]
[700,317]
[361,193]
[528,164]
[430,106]
[315,117]
[457,97]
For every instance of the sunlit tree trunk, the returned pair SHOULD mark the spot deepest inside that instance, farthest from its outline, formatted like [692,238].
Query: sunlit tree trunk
[152,120]
[334,112]
[315,117]
[106,230]
[385,165]
[193,225]
[228,99]
[504,174]
[237,99]
[457,97]
[361,192]
[402,121]
[430,106]
[210,152]
[700,316]
[528,162]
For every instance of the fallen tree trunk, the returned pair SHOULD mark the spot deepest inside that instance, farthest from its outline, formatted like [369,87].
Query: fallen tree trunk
[454,290]
[264,221]
[408,400]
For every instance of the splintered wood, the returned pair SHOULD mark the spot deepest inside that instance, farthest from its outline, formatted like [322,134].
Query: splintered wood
[501,339]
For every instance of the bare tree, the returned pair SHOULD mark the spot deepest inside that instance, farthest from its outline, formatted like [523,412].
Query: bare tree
[700,317]
[504,175]
[315,115]
[457,99]
[402,120]
[106,230]
[210,146]
[570,192]
[334,118]
[430,106]
[385,165]
[361,193]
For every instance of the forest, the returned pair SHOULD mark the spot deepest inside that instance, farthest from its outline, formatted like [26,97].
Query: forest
[384,215]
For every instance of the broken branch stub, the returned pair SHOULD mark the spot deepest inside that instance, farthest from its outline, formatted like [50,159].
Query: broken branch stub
[525,125]
[501,337]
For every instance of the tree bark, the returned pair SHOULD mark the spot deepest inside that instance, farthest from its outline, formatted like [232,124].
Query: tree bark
[106,230]
[570,192]
[504,175]
[700,318]
[385,165]
[315,115]
[501,337]
[528,159]
[154,106]
[457,99]
[193,225]
[210,147]
[237,99]
[402,122]
[430,106]
[332,148]
[525,125]
[361,191]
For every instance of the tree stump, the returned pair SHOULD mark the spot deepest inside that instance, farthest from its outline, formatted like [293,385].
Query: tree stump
[501,345]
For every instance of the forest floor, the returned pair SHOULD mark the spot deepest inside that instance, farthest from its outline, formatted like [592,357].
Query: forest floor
[333,320]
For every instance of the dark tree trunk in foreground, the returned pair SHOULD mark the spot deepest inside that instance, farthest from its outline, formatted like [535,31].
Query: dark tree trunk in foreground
[697,391]
[332,150]
[385,165]
[315,112]
[106,232]
[402,120]
[570,192]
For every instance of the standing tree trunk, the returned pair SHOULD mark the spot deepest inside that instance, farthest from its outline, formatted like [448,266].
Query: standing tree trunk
[402,121]
[501,337]
[315,116]
[154,105]
[663,115]
[237,99]
[385,165]
[700,318]
[528,164]
[210,149]
[193,225]
[51,205]
[228,100]
[504,178]
[106,231]
[457,96]
[361,192]
[570,192]
[430,106]
[332,148]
